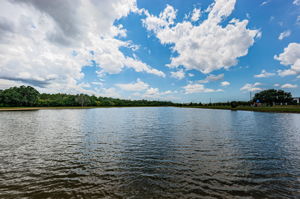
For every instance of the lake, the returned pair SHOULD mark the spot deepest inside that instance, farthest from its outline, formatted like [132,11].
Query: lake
[149,153]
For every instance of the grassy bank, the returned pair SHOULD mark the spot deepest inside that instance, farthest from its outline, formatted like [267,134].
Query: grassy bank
[276,109]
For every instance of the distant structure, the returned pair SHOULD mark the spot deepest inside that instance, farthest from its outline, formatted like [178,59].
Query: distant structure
[297,99]
[257,103]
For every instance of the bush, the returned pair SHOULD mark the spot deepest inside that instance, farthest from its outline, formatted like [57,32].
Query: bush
[233,104]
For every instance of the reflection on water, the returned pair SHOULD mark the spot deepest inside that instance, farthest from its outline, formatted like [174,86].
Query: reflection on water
[149,153]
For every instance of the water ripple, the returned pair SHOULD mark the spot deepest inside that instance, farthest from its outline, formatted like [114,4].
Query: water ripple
[149,153]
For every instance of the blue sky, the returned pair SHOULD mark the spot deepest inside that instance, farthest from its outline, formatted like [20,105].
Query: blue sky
[196,50]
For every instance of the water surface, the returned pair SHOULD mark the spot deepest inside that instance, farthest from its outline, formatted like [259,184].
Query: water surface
[149,153]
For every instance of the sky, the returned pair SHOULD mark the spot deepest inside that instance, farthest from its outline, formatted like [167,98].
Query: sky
[177,50]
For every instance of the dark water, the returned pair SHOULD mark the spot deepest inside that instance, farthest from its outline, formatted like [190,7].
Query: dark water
[149,153]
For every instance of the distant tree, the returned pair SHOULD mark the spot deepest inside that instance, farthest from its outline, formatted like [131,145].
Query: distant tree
[82,99]
[273,96]
[234,104]
[19,96]
[28,96]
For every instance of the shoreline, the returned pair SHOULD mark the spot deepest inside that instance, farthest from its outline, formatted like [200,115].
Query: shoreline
[276,109]
[67,107]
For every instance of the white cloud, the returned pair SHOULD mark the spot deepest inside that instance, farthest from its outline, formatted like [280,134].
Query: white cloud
[296,2]
[290,57]
[289,86]
[265,3]
[108,92]
[264,74]
[46,43]
[97,83]
[144,91]
[191,75]
[225,83]
[8,83]
[154,93]
[276,85]
[251,87]
[178,74]
[288,72]
[208,46]
[139,66]
[284,34]
[137,86]
[196,14]
[211,78]
[199,88]
[165,19]
[298,20]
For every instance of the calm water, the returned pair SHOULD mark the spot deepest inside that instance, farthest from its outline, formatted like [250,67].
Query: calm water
[149,153]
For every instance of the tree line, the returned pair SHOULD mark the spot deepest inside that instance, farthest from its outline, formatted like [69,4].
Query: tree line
[274,97]
[24,96]
[27,96]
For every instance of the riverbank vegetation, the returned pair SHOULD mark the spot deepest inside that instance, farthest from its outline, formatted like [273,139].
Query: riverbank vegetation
[28,98]
[276,108]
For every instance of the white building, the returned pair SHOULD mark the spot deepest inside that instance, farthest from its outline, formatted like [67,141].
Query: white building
[297,99]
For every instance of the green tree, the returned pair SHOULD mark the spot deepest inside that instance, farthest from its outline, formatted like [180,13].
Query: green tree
[82,99]
[19,96]
[272,96]
[28,96]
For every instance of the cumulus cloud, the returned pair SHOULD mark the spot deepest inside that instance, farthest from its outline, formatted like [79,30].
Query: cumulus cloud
[284,34]
[199,88]
[296,2]
[137,86]
[286,85]
[46,43]
[107,92]
[290,57]
[225,83]
[139,66]
[8,83]
[155,93]
[196,14]
[288,72]
[298,20]
[165,19]
[211,78]
[144,91]
[265,3]
[205,47]
[178,74]
[251,87]
[97,83]
[289,86]
[264,74]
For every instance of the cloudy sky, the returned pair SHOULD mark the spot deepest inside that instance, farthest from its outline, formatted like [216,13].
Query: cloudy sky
[176,50]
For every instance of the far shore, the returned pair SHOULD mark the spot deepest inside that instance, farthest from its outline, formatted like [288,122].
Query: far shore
[273,109]
[65,107]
